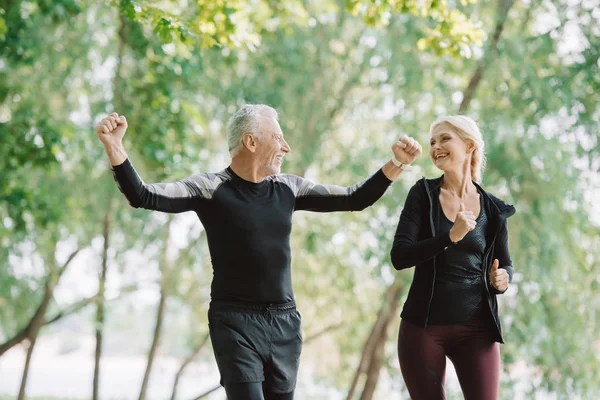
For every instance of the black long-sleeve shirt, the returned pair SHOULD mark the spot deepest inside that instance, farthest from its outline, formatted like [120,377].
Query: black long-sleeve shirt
[458,294]
[248,225]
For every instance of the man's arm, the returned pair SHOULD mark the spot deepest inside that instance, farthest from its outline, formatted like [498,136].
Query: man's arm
[325,198]
[116,154]
[172,197]
[110,131]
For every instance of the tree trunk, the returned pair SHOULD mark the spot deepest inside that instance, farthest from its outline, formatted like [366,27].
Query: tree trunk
[384,316]
[374,366]
[376,360]
[160,314]
[30,348]
[366,353]
[155,342]
[186,362]
[100,307]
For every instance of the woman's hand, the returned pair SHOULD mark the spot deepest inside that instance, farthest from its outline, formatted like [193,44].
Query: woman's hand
[499,277]
[463,224]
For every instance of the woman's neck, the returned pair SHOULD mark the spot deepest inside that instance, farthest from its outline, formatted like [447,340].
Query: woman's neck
[459,183]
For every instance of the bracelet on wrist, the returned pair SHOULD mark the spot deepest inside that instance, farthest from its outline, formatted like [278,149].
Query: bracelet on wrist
[399,164]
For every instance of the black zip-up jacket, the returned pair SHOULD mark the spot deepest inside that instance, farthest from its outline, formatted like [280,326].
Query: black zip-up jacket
[417,243]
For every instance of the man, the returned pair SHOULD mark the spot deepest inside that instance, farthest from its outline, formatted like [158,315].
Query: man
[246,211]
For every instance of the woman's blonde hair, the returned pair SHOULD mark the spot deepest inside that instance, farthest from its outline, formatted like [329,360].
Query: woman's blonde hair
[467,130]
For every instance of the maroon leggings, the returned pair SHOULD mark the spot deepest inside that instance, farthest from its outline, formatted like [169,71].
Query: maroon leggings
[470,347]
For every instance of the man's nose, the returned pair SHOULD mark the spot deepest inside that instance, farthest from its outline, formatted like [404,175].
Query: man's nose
[286,147]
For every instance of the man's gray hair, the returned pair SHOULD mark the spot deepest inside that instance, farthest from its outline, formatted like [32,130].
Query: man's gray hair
[246,120]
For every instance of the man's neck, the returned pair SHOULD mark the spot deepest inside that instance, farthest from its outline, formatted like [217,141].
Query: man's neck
[246,168]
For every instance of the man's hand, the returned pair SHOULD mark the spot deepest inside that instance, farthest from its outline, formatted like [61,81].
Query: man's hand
[110,130]
[406,150]
[498,277]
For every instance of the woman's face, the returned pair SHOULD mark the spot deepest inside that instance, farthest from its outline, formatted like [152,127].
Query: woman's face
[448,151]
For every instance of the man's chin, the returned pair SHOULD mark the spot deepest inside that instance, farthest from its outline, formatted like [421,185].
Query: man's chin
[274,171]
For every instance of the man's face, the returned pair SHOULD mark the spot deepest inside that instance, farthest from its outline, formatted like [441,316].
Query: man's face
[271,146]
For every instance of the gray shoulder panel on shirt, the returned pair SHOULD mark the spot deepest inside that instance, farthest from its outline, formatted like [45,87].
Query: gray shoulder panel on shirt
[303,187]
[294,182]
[201,185]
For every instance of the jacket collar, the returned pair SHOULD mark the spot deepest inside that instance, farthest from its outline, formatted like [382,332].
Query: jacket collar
[498,206]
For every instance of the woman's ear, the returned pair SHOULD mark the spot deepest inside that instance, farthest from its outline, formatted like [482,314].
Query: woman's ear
[470,146]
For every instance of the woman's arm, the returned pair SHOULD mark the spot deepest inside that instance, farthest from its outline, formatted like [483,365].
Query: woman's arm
[407,250]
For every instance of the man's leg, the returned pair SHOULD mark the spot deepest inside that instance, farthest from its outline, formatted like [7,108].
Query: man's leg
[244,391]
[239,339]
[277,396]
[281,368]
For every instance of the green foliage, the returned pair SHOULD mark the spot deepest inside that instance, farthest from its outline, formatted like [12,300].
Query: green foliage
[347,79]
[243,23]
[3,27]
[33,126]
[209,23]
[448,31]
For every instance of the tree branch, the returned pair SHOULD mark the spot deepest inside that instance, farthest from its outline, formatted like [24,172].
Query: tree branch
[73,308]
[63,268]
[209,391]
[312,337]
[186,362]
[503,8]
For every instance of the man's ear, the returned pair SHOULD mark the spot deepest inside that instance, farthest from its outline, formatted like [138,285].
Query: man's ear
[250,142]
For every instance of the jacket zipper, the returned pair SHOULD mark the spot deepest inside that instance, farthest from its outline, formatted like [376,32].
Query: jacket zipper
[485,280]
[434,257]
[485,276]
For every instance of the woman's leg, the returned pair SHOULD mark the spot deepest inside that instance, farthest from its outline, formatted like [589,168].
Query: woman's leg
[422,361]
[476,358]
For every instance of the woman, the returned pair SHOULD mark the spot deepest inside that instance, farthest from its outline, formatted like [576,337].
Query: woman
[456,236]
